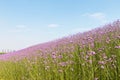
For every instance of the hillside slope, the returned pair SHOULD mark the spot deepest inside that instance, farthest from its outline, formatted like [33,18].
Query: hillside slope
[92,55]
[88,38]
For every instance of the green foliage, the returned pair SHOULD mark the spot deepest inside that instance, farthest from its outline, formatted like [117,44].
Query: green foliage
[2,52]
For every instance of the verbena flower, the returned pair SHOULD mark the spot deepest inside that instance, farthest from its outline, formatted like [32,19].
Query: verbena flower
[90,53]
[101,62]
[63,64]
[118,47]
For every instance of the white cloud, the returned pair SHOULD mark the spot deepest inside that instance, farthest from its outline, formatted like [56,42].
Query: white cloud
[82,29]
[97,16]
[21,26]
[53,25]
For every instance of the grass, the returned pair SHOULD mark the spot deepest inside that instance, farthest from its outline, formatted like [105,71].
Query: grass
[101,62]
[2,52]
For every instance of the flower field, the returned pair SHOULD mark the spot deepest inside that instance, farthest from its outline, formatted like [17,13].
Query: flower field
[92,55]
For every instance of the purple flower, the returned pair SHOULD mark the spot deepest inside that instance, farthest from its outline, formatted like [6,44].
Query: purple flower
[90,61]
[60,56]
[54,56]
[104,56]
[90,53]
[118,47]
[62,64]
[102,62]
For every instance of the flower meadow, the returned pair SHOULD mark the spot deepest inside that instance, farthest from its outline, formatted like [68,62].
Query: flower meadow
[92,55]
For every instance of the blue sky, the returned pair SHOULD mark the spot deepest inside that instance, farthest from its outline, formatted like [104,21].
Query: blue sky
[28,22]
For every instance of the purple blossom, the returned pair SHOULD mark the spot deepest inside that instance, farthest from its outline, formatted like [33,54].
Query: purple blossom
[102,62]
[63,64]
[90,53]
[117,47]
[54,56]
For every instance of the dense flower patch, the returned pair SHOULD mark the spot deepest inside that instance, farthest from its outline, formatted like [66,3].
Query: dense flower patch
[92,55]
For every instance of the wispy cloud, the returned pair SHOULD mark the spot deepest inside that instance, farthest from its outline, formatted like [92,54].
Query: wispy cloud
[21,26]
[97,16]
[53,25]
[81,29]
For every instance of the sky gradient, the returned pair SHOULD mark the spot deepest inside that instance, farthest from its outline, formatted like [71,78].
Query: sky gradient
[24,23]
